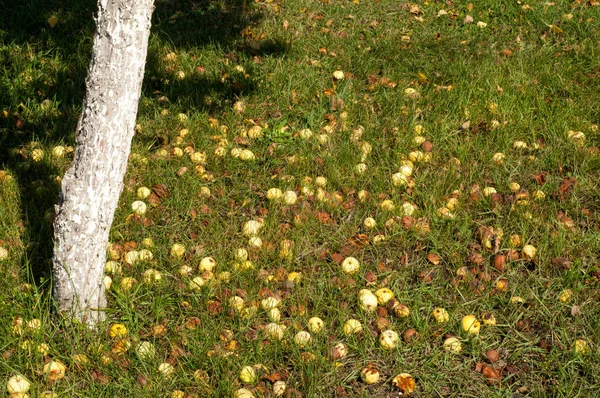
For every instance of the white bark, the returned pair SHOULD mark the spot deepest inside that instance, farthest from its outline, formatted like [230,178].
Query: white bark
[92,185]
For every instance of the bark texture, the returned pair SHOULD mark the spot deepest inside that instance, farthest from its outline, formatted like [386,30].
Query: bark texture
[91,187]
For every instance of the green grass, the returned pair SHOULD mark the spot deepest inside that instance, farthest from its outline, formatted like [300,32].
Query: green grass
[531,75]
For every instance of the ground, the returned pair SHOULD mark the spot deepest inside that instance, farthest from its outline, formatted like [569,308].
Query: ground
[450,148]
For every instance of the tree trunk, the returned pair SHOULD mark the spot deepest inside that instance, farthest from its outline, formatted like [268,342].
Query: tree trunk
[91,187]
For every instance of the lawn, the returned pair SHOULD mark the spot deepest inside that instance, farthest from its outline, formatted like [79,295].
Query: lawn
[295,165]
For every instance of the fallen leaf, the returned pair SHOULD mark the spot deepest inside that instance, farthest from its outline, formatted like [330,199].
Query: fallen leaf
[433,258]
[324,217]
[337,258]
[276,376]
[540,177]
[99,376]
[348,250]
[371,278]
[566,186]
[160,190]
[154,199]
[415,9]
[359,240]
[491,374]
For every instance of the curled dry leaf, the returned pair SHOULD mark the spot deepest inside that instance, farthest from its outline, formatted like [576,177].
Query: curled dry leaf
[433,258]
[276,376]
[359,240]
[492,375]
[338,258]
[161,191]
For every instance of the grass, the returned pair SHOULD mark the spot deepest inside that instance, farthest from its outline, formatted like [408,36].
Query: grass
[530,74]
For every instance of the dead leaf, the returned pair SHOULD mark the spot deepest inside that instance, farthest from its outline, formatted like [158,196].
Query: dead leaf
[566,186]
[562,263]
[426,276]
[154,200]
[336,104]
[99,377]
[481,127]
[160,190]
[565,221]
[324,217]
[540,178]
[433,258]
[415,9]
[276,376]
[337,258]
[371,278]
[7,354]
[359,240]
[143,381]
[491,374]
[404,258]
[348,250]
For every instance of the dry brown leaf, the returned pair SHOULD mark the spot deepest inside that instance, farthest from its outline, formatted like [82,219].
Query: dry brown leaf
[160,190]
[154,200]
[415,9]
[540,178]
[324,217]
[276,376]
[348,250]
[566,186]
[433,258]
[337,258]
[491,374]
[359,240]
[99,377]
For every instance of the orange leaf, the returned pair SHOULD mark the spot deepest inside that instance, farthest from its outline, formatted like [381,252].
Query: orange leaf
[324,217]
[337,257]
[433,258]
[359,240]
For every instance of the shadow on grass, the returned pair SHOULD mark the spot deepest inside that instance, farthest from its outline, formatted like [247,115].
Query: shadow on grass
[42,84]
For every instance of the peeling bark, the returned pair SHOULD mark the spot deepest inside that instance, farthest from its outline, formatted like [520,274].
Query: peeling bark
[91,187]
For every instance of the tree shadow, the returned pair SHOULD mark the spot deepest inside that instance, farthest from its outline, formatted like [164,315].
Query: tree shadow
[42,84]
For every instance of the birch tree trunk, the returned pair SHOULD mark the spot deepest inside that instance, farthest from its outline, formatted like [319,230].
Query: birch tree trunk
[91,187]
